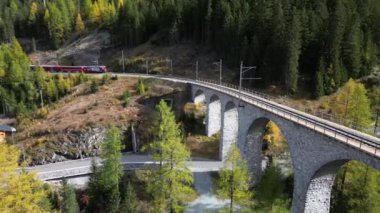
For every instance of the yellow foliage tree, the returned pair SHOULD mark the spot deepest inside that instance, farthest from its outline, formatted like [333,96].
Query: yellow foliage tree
[120,4]
[96,13]
[351,104]
[19,191]
[79,25]
[275,140]
[33,13]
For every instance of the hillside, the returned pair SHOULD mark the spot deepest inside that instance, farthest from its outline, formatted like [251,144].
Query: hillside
[75,125]
[95,48]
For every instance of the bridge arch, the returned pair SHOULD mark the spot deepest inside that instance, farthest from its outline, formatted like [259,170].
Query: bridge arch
[214,115]
[230,128]
[253,147]
[199,97]
[318,194]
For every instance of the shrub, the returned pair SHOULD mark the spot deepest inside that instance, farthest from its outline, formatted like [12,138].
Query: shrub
[42,113]
[325,105]
[105,79]
[94,87]
[81,78]
[141,87]
[126,96]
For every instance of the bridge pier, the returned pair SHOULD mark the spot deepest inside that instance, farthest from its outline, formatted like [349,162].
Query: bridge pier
[230,129]
[213,116]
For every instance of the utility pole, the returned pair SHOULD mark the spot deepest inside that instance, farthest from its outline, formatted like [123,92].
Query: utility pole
[42,99]
[377,121]
[220,71]
[122,58]
[242,71]
[196,70]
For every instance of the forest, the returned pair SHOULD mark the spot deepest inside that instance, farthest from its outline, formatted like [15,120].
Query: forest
[313,44]
[318,45]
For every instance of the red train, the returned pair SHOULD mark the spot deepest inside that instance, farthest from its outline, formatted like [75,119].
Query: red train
[72,69]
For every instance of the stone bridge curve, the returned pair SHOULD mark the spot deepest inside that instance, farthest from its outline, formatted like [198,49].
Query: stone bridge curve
[316,157]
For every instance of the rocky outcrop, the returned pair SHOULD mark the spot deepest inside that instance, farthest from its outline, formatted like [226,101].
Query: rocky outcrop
[71,144]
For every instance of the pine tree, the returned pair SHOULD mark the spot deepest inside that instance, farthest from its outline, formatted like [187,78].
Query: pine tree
[86,8]
[293,52]
[51,90]
[270,189]
[95,192]
[352,50]
[32,13]
[70,204]
[234,180]
[337,32]
[111,170]
[170,183]
[319,85]
[104,181]
[129,201]
[56,26]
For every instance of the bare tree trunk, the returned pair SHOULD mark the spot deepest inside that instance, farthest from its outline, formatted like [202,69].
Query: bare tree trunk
[232,192]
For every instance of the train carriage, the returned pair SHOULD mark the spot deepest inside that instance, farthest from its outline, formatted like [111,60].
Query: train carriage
[72,69]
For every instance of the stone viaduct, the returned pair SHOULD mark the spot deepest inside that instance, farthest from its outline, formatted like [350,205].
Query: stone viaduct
[318,148]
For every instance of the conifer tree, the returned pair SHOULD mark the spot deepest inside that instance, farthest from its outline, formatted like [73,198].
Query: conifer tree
[32,13]
[337,32]
[319,85]
[352,105]
[270,190]
[70,204]
[51,90]
[293,52]
[55,25]
[20,191]
[129,201]
[234,180]
[170,183]
[354,191]
[79,25]
[86,8]
[352,49]
[111,170]
[95,13]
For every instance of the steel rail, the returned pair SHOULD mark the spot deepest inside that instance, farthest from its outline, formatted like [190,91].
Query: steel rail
[321,123]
